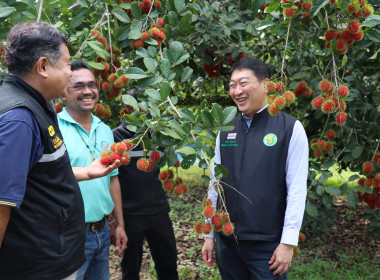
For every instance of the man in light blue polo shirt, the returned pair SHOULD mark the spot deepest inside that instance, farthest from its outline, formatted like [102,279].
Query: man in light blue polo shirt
[85,137]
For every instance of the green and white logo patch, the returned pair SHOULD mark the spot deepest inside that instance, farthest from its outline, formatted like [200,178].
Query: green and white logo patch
[270,139]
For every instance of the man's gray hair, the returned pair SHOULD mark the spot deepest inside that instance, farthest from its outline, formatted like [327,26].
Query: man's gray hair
[29,41]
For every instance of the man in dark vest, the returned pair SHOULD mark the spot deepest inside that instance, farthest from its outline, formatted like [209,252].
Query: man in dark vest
[267,161]
[146,214]
[42,229]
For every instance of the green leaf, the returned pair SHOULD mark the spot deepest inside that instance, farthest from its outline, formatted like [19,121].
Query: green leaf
[324,177]
[121,15]
[185,22]
[344,60]
[177,126]
[153,94]
[150,64]
[187,115]
[187,150]
[136,10]
[165,68]
[95,65]
[274,6]
[186,74]
[149,81]
[220,171]
[151,41]
[165,90]
[217,113]
[131,101]
[232,17]
[333,191]
[76,21]
[179,5]
[133,120]
[173,19]
[188,161]
[142,52]
[206,179]
[320,190]
[95,45]
[352,198]
[135,33]
[168,132]
[372,20]
[239,26]
[135,73]
[82,3]
[207,118]
[176,50]
[229,114]
[328,164]
[154,110]
[357,152]
[132,128]
[316,12]
[152,50]
[182,59]
[343,189]
[6,11]
[353,177]
[311,209]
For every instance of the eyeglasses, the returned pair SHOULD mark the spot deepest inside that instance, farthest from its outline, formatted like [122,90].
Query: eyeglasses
[82,86]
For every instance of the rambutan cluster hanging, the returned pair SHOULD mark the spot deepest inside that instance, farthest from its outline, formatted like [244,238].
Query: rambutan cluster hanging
[218,220]
[171,183]
[371,182]
[332,100]
[278,97]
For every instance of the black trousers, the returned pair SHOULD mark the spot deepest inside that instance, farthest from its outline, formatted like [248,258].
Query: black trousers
[245,259]
[159,233]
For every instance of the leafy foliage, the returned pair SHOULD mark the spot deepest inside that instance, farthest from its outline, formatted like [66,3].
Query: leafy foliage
[186,62]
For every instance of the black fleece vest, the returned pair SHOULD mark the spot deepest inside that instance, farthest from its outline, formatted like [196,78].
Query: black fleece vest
[45,237]
[142,192]
[255,158]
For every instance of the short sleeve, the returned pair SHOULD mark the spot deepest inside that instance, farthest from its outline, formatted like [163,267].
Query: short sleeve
[20,148]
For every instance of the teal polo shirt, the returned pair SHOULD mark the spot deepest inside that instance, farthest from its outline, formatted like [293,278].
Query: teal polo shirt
[96,194]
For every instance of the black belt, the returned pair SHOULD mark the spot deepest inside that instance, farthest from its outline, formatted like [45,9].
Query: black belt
[94,227]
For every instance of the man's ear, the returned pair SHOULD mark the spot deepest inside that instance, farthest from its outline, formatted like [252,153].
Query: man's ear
[42,66]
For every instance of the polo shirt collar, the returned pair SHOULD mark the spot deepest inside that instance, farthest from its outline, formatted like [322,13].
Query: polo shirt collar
[64,115]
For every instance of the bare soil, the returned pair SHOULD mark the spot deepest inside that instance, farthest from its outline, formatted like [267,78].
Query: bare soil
[348,236]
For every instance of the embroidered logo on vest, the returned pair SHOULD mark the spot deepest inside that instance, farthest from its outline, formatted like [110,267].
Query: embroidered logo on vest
[231,140]
[270,139]
[51,131]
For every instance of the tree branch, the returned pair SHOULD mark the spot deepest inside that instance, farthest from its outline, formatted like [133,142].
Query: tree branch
[40,10]
[278,41]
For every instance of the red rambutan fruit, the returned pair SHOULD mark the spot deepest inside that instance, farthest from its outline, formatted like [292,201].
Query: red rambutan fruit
[208,211]
[198,227]
[367,167]
[340,118]
[168,185]
[330,34]
[317,102]
[330,134]
[155,156]
[343,91]
[353,27]
[228,228]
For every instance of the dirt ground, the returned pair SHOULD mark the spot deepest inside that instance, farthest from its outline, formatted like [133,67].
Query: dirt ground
[348,235]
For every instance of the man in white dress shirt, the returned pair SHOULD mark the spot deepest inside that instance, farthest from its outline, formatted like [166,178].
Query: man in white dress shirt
[267,160]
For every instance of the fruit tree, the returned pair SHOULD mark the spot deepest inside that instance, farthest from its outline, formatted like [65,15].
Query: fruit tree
[323,55]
